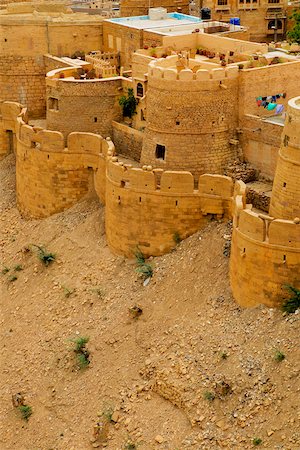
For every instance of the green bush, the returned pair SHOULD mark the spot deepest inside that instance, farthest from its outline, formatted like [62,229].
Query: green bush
[25,411]
[82,353]
[44,256]
[294,34]
[143,268]
[128,103]
[293,303]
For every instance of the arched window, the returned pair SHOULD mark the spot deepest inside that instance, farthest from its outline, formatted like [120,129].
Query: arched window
[139,90]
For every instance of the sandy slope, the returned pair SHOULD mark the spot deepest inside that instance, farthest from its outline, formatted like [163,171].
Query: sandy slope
[153,371]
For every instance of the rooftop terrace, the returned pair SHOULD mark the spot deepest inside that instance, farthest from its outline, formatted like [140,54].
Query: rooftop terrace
[144,22]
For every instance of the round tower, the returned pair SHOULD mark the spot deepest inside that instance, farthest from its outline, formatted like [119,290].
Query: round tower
[141,7]
[285,201]
[192,116]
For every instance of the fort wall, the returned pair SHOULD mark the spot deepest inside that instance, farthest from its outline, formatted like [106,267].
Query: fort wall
[260,141]
[196,118]
[127,140]
[265,256]
[146,208]
[51,177]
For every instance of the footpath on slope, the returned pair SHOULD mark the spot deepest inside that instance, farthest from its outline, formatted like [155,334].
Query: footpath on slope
[193,371]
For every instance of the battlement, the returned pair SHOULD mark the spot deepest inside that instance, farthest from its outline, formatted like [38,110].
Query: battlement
[265,254]
[147,179]
[164,68]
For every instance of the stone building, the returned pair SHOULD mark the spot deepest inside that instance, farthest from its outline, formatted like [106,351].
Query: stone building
[30,32]
[266,19]
[141,7]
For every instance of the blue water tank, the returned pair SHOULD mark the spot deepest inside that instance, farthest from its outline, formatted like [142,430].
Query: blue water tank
[235,21]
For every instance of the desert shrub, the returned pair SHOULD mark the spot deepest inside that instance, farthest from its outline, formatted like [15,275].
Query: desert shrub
[291,304]
[81,352]
[143,268]
[44,255]
[25,411]
[279,356]
[209,396]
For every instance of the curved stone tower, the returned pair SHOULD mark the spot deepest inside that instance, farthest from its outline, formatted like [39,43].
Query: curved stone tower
[265,250]
[192,115]
[285,201]
[141,7]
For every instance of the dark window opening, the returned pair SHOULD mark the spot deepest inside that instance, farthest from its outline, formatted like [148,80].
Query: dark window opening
[272,25]
[284,258]
[286,140]
[160,151]
[284,184]
[177,122]
[95,119]
[10,141]
[53,103]
[139,90]
[5,40]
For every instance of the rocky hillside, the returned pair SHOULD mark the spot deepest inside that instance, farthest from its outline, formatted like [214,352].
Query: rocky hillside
[173,364]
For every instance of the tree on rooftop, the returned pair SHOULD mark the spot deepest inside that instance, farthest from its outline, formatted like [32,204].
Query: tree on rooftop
[294,34]
[128,103]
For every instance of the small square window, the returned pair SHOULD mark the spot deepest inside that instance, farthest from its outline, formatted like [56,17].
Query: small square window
[160,151]
[53,103]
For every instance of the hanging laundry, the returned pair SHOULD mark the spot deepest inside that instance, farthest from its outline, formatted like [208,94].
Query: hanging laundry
[258,102]
[274,98]
[279,109]
[271,106]
[264,103]
[269,98]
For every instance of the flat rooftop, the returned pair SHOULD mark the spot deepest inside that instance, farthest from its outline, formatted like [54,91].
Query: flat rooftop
[144,22]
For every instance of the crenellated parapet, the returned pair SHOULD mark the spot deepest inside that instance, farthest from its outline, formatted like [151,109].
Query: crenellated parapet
[148,207]
[265,254]
[162,69]
[50,176]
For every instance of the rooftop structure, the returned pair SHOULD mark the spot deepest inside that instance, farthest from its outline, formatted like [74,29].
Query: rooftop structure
[141,7]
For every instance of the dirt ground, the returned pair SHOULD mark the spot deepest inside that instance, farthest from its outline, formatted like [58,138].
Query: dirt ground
[193,371]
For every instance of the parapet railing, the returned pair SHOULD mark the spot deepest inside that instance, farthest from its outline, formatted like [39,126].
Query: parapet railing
[263,228]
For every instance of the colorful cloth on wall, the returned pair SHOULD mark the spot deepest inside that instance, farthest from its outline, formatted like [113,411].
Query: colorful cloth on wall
[270,102]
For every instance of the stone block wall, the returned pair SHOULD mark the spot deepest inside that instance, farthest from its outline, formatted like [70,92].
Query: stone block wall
[26,38]
[265,256]
[127,140]
[22,79]
[141,7]
[146,208]
[285,201]
[83,105]
[51,177]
